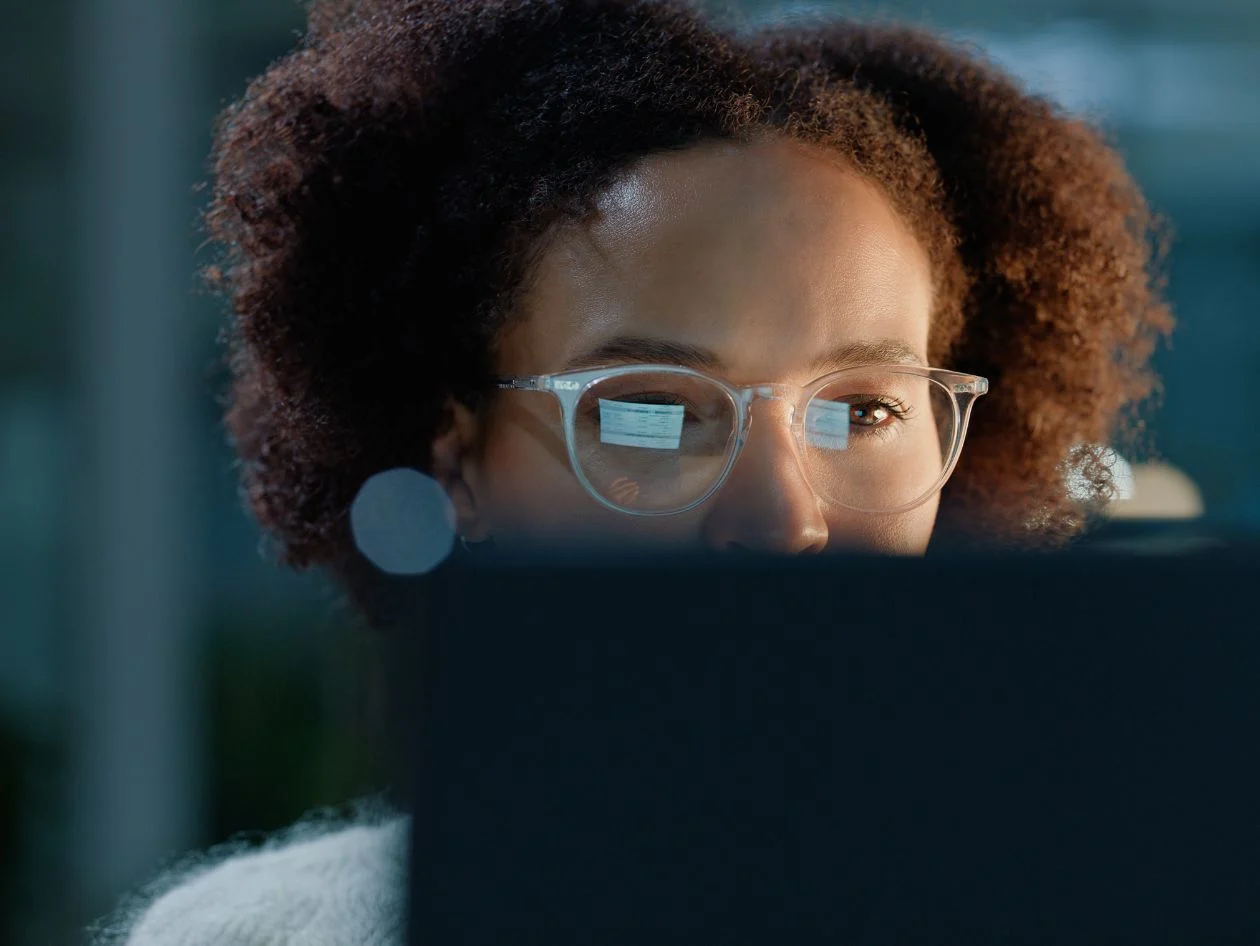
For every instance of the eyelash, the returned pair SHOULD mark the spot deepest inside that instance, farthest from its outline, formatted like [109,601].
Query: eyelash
[893,404]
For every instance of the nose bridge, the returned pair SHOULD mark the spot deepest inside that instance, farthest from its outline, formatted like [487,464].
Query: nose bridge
[773,433]
[767,503]
[768,392]
[784,393]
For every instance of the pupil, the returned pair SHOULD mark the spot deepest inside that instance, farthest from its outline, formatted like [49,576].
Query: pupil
[868,416]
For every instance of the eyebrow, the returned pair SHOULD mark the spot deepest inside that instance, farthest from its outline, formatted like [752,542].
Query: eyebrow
[633,349]
[885,351]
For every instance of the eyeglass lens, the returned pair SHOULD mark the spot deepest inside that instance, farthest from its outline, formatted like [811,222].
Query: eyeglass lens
[874,439]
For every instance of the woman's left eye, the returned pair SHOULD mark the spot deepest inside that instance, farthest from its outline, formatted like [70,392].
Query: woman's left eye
[873,413]
[868,416]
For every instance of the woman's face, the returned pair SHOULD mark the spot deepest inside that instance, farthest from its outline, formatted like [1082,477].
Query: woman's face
[771,260]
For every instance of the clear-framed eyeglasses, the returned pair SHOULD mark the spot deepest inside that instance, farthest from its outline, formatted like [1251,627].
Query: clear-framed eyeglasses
[657,440]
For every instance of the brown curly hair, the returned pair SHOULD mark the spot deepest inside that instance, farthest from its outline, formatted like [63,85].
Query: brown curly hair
[380,194]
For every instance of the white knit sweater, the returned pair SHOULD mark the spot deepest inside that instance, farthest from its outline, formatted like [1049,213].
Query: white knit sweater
[314,885]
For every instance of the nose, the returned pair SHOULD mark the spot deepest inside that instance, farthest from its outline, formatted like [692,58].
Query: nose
[766,504]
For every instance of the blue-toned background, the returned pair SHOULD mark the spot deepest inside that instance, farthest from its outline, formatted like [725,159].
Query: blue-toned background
[162,686]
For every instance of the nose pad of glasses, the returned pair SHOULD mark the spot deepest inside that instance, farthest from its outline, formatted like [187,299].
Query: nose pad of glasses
[781,396]
[773,392]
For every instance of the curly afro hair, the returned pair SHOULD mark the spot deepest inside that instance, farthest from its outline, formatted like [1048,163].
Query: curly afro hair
[380,194]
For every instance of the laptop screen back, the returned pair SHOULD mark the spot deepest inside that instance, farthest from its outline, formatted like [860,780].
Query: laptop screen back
[867,751]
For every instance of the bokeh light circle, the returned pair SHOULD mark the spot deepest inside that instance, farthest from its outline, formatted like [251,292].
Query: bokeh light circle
[403,522]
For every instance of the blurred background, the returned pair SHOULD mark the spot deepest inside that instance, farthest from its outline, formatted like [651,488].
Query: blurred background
[162,685]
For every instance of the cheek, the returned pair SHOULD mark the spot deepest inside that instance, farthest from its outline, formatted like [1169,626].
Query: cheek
[524,479]
[907,533]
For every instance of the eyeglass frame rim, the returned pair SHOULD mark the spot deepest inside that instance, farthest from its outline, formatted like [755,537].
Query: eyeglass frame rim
[569,386]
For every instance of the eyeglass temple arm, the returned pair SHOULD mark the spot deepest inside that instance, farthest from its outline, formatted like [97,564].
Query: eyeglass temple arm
[521,384]
[541,382]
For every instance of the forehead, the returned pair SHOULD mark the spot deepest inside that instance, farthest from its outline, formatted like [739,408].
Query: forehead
[767,254]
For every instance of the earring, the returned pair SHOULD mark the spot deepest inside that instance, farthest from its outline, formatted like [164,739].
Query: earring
[475,547]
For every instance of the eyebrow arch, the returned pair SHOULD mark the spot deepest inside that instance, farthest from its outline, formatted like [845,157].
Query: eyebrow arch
[633,349]
[885,351]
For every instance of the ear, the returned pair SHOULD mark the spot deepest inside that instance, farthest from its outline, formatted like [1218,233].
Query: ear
[454,466]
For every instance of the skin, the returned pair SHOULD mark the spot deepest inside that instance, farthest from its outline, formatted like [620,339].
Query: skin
[773,257]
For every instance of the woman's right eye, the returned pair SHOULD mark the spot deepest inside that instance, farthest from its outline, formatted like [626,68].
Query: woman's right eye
[653,398]
[694,412]
[594,408]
